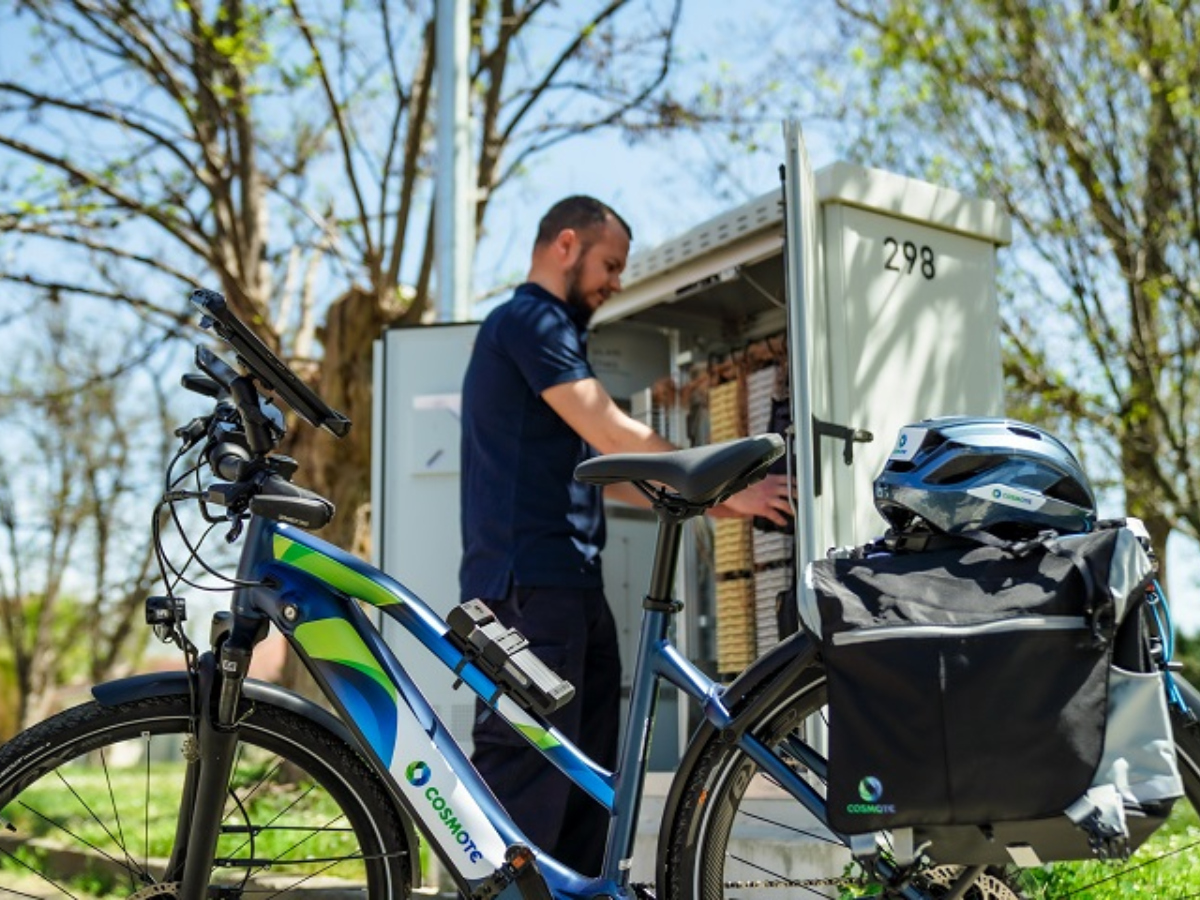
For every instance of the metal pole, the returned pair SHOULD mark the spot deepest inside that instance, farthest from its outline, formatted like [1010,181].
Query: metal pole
[801,201]
[453,191]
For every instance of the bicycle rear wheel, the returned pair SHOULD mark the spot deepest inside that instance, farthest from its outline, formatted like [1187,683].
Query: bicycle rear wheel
[735,833]
[91,800]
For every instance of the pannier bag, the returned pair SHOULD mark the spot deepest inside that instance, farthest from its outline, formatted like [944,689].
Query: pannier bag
[997,700]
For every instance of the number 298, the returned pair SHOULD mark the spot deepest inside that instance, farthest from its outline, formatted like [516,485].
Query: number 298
[905,257]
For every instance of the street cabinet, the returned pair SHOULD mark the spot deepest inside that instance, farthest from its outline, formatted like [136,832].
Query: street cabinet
[900,322]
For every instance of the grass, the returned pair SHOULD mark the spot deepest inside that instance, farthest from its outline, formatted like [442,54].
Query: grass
[146,801]
[1174,876]
[130,812]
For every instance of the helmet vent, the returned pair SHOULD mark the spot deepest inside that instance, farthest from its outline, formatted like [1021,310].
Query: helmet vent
[1069,491]
[933,440]
[1025,432]
[961,468]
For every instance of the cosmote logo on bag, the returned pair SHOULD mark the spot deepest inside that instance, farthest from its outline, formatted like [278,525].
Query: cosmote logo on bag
[870,789]
[418,775]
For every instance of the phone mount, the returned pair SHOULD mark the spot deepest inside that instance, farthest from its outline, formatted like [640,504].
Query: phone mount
[264,366]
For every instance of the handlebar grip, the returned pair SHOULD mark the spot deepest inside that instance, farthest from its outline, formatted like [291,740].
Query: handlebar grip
[283,501]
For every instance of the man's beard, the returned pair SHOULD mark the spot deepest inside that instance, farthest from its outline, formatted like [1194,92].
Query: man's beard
[575,298]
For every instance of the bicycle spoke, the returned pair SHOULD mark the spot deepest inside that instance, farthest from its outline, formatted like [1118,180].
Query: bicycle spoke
[146,805]
[301,842]
[282,812]
[792,828]
[85,818]
[292,887]
[1133,867]
[91,812]
[117,818]
[79,838]
[261,781]
[25,865]
[258,829]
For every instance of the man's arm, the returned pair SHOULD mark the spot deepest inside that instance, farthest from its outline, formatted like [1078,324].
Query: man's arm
[593,415]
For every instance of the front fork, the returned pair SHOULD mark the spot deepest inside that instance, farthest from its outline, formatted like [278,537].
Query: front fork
[218,687]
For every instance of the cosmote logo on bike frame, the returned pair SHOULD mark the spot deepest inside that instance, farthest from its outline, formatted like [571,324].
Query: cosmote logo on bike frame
[871,790]
[418,774]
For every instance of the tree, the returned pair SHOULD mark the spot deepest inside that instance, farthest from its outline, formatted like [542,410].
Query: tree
[80,457]
[1081,120]
[1187,651]
[282,153]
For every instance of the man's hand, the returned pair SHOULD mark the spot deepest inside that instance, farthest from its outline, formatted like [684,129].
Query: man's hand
[767,498]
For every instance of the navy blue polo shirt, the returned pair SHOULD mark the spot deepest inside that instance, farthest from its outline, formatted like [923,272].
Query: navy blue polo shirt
[525,519]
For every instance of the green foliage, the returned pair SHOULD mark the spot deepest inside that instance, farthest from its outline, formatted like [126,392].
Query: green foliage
[9,695]
[121,789]
[1119,881]
[1187,652]
[1081,121]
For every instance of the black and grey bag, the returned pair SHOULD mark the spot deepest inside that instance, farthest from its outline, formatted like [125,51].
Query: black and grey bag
[997,700]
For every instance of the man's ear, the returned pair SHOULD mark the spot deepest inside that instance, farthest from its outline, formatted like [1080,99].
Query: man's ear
[567,246]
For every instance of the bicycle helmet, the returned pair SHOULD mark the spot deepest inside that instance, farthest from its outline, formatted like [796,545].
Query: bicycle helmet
[959,474]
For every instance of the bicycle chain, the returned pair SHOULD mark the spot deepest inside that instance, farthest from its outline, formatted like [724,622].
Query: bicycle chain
[788,883]
[647,890]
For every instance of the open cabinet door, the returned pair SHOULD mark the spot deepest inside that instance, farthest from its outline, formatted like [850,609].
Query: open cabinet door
[802,261]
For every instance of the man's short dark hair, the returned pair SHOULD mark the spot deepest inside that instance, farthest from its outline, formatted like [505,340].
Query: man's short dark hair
[580,213]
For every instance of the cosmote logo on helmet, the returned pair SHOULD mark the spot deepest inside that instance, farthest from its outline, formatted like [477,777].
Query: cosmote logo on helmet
[1009,496]
[418,775]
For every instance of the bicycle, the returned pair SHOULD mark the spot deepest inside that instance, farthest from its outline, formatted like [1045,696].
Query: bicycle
[266,794]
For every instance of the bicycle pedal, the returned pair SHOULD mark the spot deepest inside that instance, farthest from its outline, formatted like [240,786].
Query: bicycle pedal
[520,871]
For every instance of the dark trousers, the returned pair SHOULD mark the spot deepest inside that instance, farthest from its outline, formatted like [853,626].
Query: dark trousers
[573,632]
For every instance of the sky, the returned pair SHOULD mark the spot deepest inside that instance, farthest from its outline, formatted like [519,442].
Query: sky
[665,188]
[662,187]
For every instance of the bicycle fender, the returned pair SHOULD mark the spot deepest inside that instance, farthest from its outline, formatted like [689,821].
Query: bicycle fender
[762,683]
[795,654]
[162,684]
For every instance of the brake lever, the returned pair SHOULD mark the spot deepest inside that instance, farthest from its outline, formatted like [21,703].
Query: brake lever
[232,497]
[199,384]
[193,432]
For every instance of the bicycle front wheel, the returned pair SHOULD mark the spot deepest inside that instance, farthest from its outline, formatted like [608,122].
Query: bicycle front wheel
[90,804]
[736,833]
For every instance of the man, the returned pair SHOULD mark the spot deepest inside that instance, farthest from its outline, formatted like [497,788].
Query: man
[532,535]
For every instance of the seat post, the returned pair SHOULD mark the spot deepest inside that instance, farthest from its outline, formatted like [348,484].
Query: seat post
[643,700]
[666,555]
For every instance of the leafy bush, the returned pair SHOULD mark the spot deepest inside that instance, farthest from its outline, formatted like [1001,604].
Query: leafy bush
[1187,651]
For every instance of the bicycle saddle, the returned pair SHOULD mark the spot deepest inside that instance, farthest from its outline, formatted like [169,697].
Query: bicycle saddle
[702,476]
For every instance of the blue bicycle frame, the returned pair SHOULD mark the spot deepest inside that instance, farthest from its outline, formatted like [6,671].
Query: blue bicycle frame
[308,589]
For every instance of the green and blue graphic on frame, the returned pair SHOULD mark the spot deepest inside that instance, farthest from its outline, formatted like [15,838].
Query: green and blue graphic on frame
[356,677]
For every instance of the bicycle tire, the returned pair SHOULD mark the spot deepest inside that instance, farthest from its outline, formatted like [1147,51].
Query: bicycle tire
[784,847]
[90,824]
